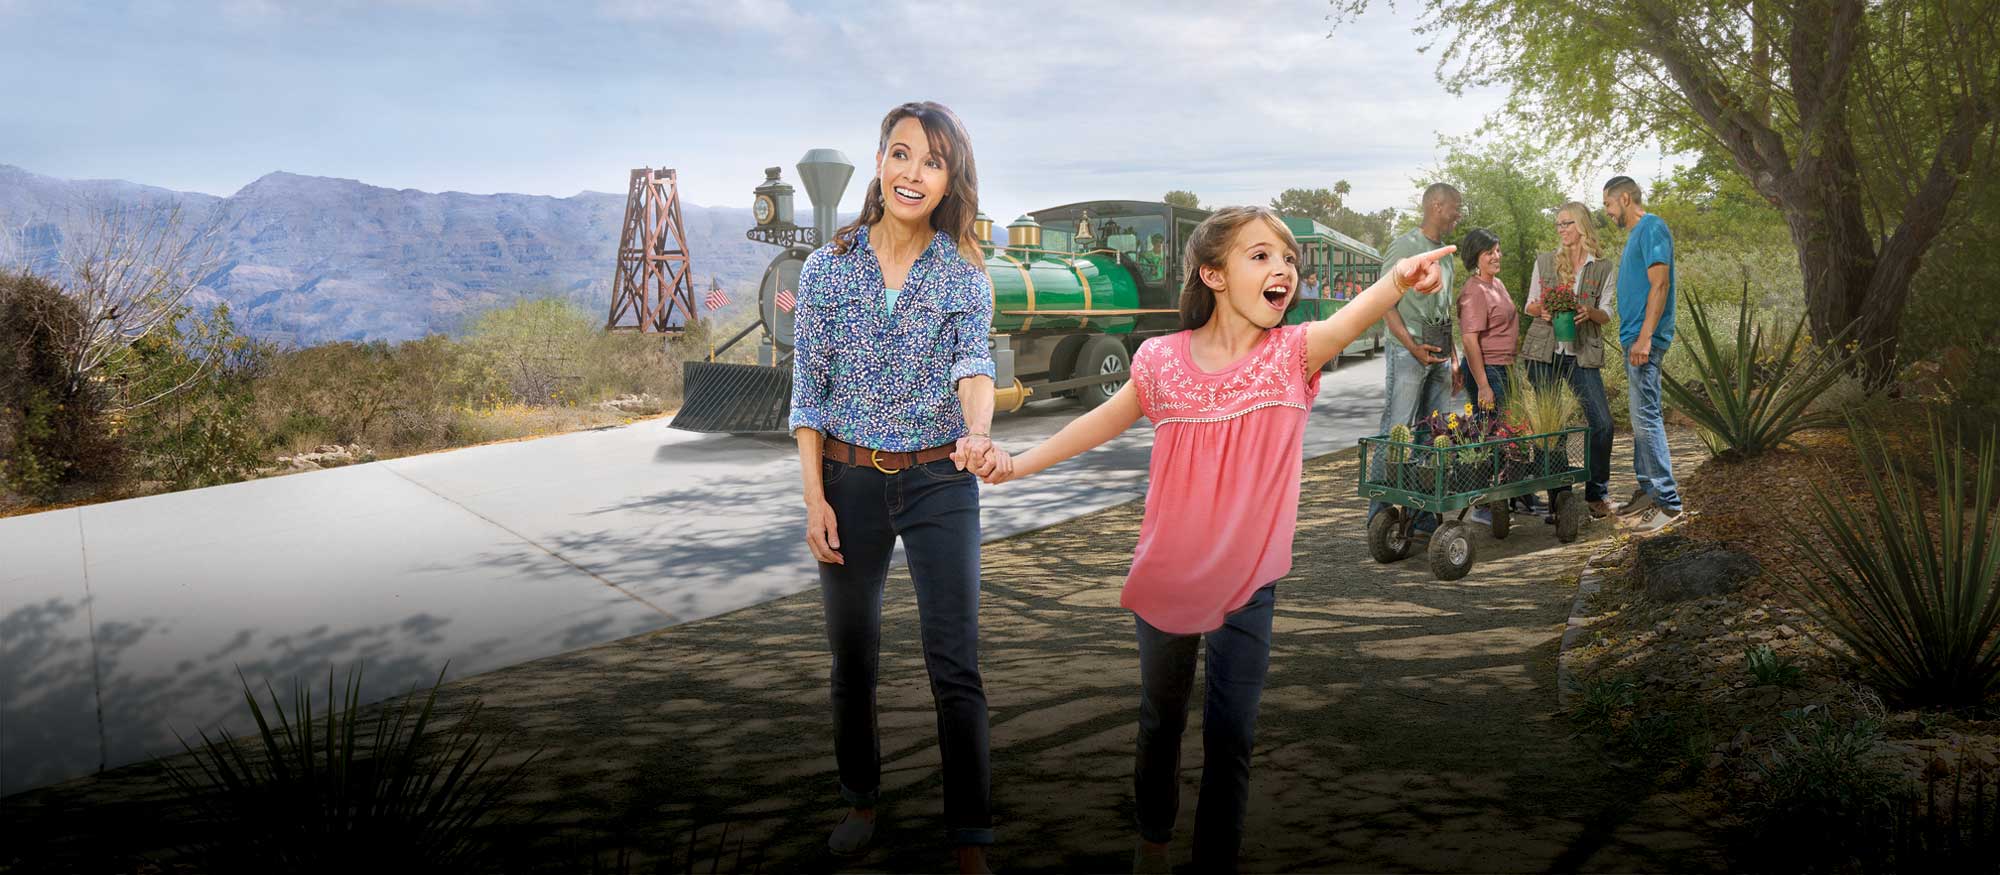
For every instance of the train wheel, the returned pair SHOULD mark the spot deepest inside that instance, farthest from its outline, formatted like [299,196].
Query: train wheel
[1062,362]
[1103,354]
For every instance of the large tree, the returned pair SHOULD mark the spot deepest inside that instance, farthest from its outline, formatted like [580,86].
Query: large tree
[1182,199]
[1865,122]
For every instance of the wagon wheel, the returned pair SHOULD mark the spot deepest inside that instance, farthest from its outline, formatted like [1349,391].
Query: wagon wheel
[1569,517]
[1388,539]
[1503,519]
[1451,551]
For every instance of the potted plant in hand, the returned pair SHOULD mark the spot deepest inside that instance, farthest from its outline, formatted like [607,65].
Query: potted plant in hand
[1559,301]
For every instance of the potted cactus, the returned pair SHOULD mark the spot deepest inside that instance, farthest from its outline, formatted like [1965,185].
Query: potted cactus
[1401,473]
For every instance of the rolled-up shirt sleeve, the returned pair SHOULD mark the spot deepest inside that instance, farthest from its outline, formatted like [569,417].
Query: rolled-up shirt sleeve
[812,361]
[972,357]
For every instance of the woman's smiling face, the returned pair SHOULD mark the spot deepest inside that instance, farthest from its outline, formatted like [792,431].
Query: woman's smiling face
[1259,275]
[914,176]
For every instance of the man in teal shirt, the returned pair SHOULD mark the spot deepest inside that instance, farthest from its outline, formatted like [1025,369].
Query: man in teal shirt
[1417,368]
[1646,328]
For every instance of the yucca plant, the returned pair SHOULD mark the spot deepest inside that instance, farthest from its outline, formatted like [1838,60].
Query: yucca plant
[1749,396]
[321,795]
[1917,607]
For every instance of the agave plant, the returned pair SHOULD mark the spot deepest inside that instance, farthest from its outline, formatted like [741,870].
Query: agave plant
[322,795]
[1750,395]
[1918,610]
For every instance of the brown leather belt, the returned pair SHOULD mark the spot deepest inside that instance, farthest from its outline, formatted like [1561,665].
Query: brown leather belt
[881,460]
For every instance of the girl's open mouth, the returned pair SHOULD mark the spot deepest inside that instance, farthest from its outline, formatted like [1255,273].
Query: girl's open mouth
[1276,295]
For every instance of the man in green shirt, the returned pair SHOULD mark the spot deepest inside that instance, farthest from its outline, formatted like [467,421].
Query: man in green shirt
[1418,366]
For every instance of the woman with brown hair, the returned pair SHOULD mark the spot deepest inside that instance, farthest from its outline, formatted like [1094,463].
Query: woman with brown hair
[892,401]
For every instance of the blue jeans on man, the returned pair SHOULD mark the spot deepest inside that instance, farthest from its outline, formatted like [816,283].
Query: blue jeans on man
[1412,391]
[1652,463]
[1239,658]
[934,508]
[1588,386]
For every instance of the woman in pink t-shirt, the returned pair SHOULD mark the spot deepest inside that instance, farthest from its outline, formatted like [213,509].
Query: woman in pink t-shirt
[1228,397]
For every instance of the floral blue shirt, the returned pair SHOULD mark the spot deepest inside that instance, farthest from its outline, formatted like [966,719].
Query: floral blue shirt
[887,379]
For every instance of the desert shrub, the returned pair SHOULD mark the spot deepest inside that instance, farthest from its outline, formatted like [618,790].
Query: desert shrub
[531,351]
[55,428]
[341,793]
[1826,797]
[196,378]
[1753,388]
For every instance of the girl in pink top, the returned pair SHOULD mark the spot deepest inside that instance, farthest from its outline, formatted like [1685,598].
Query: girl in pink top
[1228,397]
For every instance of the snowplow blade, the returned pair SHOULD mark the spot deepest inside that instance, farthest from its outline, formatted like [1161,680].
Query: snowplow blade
[734,399]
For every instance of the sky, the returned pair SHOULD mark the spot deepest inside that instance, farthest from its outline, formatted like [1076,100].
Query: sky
[1064,101]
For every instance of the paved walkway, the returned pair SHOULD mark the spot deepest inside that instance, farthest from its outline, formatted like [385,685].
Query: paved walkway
[123,623]
[1409,724]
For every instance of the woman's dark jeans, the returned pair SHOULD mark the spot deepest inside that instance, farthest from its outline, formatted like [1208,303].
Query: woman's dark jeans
[934,508]
[1496,377]
[1239,656]
[1588,386]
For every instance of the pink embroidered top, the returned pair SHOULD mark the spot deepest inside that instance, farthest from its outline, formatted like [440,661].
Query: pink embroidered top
[1224,496]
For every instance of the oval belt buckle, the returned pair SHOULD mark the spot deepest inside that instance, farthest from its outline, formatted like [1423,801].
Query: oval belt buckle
[875,458]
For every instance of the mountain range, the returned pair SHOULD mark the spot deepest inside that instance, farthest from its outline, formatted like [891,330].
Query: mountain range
[311,259]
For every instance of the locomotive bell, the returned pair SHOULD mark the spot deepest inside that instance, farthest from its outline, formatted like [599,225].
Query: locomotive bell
[773,203]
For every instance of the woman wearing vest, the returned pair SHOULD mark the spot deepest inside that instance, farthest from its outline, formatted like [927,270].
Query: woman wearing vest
[892,401]
[1576,262]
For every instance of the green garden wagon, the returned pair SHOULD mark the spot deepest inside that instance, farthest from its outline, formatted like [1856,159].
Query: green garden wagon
[1416,478]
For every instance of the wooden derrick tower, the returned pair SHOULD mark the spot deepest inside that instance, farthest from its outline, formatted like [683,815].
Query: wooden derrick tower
[652,288]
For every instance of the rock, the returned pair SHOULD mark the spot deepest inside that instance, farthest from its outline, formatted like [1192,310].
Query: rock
[1673,568]
[1787,632]
[645,403]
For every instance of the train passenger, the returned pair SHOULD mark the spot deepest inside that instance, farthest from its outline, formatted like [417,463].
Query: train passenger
[1154,259]
[1310,290]
[875,472]
[1229,396]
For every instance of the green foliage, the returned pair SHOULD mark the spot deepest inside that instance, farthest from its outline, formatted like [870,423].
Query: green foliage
[1908,585]
[1542,407]
[55,428]
[531,350]
[1826,795]
[1511,188]
[339,793]
[195,378]
[1750,395]
[1603,702]
[1182,199]
[1771,669]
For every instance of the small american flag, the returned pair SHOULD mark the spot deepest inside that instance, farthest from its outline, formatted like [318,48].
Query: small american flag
[716,299]
[786,301]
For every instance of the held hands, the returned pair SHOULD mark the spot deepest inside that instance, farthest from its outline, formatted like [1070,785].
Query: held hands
[1421,272]
[978,454]
[1427,354]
